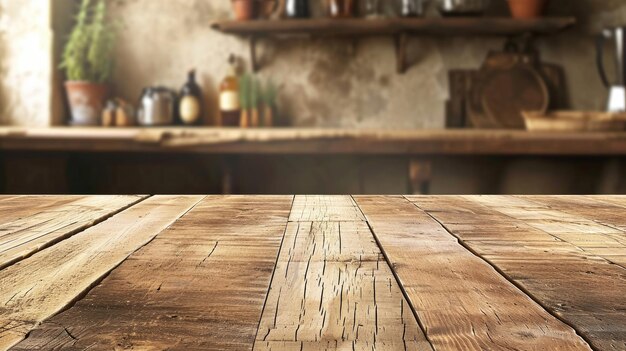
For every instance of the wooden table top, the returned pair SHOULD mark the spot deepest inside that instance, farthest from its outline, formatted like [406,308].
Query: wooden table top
[314,141]
[312,273]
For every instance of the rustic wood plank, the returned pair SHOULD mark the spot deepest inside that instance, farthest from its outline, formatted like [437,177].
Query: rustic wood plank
[607,210]
[16,207]
[333,290]
[200,285]
[463,303]
[47,282]
[583,289]
[600,227]
[324,208]
[619,200]
[43,227]
[312,141]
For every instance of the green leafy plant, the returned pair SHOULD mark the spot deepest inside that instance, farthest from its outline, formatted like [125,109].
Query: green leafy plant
[270,93]
[88,54]
[255,93]
[245,91]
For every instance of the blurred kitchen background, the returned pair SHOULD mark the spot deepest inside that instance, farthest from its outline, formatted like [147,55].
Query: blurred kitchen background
[391,98]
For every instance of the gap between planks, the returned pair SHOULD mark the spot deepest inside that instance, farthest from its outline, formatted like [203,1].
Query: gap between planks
[199,285]
[23,246]
[269,286]
[34,290]
[313,248]
[505,276]
[530,324]
[395,275]
[518,237]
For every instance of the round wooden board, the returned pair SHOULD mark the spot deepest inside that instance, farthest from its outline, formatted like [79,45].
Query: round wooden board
[506,93]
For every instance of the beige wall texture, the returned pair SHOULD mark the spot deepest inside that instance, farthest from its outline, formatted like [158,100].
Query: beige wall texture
[324,82]
[25,62]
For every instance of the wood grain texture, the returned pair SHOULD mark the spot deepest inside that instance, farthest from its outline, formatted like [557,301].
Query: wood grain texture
[22,234]
[15,207]
[325,208]
[47,282]
[333,290]
[200,285]
[594,225]
[462,302]
[311,141]
[583,289]
[619,200]
[244,273]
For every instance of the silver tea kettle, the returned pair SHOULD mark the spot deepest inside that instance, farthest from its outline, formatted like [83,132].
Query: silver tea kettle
[617,87]
[156,107]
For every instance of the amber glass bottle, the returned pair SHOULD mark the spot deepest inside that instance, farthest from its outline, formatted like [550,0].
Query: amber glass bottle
[230,109]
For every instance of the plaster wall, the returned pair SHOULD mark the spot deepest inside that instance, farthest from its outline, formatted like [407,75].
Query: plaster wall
[26,41]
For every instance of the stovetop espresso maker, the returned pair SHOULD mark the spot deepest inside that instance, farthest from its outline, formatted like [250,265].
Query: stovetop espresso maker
[617,87]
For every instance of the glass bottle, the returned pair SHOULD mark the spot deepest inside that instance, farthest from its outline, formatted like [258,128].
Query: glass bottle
[230,109]
[190,106]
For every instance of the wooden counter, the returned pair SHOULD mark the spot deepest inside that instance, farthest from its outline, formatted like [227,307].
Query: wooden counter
[312,141]
[312,273]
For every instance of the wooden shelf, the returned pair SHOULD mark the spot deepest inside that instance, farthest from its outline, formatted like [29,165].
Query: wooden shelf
[399,28]
[301,141]
[416,26]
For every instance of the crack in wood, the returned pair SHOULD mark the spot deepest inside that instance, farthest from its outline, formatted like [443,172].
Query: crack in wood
[209,255]
[423,255]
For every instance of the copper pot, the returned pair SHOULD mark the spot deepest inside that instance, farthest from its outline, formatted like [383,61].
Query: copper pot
[527,9]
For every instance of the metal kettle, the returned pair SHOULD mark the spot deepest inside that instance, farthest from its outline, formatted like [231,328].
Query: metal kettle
[156,107]
[297,9]
[617,87]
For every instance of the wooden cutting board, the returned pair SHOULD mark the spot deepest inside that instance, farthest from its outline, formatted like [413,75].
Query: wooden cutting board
[465,87]
[507,84]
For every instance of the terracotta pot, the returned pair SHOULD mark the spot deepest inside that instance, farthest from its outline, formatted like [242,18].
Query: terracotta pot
[245,10]
[86,101]
[527,9]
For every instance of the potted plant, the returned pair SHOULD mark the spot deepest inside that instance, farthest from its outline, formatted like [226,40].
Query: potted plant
[527,9]
[88,62]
